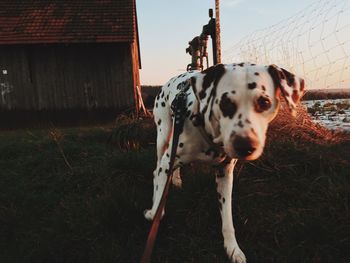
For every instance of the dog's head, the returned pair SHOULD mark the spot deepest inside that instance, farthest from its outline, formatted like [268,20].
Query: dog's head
[238,101]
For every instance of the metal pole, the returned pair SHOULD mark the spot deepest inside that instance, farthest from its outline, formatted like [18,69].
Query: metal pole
[217,31]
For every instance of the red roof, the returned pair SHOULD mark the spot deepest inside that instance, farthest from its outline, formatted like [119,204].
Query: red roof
[67,21]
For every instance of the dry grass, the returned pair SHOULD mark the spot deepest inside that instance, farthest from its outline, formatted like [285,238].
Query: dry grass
[131,132]
[303,129]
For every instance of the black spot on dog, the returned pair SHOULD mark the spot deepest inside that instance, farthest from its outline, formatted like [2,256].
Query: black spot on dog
[205,109]
[227,107]
[168,84]
[181,144]
[220,173]
[263,87]
[167,171]
[167,98]
[256,74]
[167,155]
[276,75]
[212,74]
[240,116]
[240,124]
[216,101]
[190,104]
[210,114]
[202,94]
[252,85]
[233,92]
[223,200]
[193,84]
[212,151]
[197,120]
[219,196]
[247,121]
[156,104]
[163,104]
[241,64]
[159,122]
[162,95]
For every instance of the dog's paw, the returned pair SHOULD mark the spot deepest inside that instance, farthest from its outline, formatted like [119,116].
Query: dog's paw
[177,182]
[236,255]
[176,179]
[149,214]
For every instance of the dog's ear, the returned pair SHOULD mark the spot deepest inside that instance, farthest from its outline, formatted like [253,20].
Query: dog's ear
[291,86]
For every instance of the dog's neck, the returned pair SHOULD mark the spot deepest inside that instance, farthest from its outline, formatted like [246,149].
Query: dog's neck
[208,127]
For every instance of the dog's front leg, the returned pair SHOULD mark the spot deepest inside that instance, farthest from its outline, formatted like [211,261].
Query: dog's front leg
[159,181]
[224,180]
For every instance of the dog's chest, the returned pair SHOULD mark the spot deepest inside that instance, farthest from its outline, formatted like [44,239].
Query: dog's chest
[194,147]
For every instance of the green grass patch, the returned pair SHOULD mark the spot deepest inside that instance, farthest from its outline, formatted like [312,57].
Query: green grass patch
[68,196]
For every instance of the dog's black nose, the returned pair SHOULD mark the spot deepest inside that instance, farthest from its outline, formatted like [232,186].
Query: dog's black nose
[243,146]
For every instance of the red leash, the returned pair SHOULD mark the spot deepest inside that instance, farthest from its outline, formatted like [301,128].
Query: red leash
[179,108]
[146,257]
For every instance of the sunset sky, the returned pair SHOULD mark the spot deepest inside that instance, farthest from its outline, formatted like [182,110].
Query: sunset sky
[165,27]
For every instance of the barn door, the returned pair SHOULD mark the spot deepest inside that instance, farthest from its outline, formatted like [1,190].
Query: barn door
[5,89]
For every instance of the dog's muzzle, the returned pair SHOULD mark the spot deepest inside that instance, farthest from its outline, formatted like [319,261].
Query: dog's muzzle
[244,146]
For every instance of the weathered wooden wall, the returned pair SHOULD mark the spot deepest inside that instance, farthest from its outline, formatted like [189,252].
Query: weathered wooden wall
[64,77]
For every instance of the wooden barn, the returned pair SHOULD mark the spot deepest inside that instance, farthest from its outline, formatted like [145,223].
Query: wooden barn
[69,55]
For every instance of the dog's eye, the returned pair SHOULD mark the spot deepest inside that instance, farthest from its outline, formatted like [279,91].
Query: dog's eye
[262,104]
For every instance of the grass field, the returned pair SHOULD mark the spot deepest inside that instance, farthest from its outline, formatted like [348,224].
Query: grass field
[66,195]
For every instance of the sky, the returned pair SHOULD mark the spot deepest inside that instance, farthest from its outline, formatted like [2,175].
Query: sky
[166,26]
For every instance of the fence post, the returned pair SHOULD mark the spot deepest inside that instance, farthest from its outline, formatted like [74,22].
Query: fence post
[217,31]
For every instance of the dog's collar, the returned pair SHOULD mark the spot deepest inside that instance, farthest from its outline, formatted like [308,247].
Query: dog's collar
[198,122]
[208,138]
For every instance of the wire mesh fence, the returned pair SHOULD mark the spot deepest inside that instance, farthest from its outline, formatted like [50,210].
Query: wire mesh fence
[314,43]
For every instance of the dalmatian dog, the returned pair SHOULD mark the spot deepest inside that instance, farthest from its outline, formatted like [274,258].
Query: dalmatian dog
[229,108]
